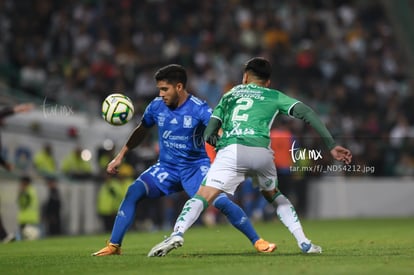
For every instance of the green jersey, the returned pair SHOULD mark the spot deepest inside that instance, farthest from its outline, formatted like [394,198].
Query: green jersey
[247,113]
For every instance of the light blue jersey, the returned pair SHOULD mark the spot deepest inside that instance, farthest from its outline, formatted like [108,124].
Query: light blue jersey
[183,161]
[180,130]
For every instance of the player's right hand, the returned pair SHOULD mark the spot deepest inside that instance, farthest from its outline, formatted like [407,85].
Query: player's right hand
[112,167]
[342,154]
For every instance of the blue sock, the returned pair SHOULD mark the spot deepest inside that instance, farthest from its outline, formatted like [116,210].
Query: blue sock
[126,211]
[236,216]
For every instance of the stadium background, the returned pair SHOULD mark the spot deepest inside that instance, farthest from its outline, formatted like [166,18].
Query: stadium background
[350,60]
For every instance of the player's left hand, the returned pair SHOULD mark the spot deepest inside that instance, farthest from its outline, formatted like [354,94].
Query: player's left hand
[342,154]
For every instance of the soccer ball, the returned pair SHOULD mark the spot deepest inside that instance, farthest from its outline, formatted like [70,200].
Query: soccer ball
[31,232]
[117,109]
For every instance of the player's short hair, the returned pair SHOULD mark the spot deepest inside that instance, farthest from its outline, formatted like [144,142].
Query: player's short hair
[173,74]
[260,67]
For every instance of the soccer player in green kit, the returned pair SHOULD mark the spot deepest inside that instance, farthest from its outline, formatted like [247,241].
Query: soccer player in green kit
[245,115]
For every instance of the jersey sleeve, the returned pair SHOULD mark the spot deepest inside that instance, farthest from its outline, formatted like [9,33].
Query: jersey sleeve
[286,103]
[149,117]
[218,110]
[205,113]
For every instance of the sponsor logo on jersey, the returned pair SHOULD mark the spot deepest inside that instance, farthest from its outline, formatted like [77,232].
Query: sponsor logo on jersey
[166,134]
[174,121]
[238,131]
[173,141]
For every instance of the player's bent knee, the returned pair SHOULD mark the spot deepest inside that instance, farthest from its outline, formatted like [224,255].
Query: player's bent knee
[137,190]
[221,201]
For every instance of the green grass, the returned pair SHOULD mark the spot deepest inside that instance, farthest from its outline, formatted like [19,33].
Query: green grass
[366,246]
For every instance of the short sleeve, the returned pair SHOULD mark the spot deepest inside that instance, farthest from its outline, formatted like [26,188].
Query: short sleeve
[149,118]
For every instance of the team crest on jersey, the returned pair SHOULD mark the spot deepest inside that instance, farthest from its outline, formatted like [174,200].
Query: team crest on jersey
[161,120]
[188,122]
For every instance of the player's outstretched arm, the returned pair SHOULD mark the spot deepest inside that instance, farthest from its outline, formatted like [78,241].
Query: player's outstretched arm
[23,108]
[19,108]
[342,154]
[136,137]
[305,113]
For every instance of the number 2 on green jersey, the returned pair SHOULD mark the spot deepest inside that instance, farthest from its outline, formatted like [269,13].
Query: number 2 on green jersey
[243,104]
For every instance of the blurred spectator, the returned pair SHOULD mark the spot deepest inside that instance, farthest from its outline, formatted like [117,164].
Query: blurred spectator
[400,131]
[112,190]
[126,175]
[207,87]
[405,166]
[109,198]
[23,161]
[33,77]
[44,161]
[52,208]
[78,169]
[75,167]
[282,140]
[144,86]
[28,203]
[104,155]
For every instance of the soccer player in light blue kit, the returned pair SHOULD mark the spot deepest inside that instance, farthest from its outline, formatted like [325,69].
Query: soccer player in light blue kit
[183,162]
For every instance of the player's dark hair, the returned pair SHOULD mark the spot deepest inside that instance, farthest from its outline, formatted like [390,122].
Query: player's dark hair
[260,67]
[172,74]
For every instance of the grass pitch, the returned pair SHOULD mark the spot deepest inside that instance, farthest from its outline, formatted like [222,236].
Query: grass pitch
[365,246]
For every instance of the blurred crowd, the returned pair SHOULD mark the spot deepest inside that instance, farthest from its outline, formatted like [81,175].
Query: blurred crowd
[340,56]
